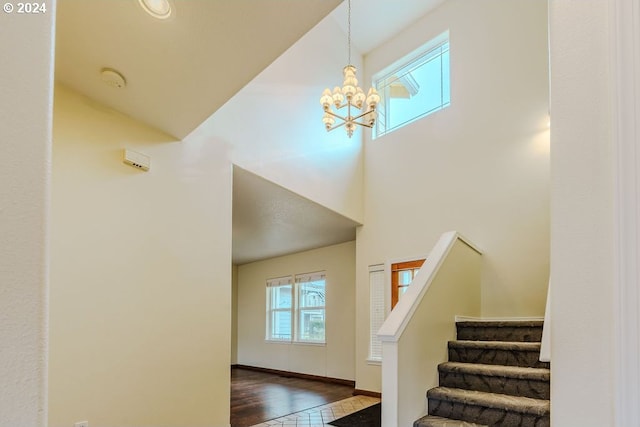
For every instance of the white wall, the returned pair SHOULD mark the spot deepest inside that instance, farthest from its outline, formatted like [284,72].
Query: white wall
[140,275]
[273,126]
[480,166]
[336,358]
[26,104]
[582,197]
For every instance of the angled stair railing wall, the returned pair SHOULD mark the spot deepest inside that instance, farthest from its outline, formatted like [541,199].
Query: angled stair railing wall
[448,284]
[545,346]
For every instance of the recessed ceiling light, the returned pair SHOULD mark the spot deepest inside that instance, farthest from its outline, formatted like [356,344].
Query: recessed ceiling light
[160,9]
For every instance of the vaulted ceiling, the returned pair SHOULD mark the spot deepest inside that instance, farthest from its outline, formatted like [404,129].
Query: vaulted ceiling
[179,71]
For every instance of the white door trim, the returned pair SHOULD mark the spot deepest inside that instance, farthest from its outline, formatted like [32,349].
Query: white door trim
[625,62]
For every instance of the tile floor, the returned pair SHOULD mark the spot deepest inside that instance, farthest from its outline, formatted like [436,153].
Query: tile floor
[321,415]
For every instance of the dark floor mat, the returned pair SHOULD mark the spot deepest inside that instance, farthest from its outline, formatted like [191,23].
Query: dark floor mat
[367,417]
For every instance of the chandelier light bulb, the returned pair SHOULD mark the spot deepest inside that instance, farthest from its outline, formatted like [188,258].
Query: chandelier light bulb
[371,118]
[328,120]
[338,97]
[326,99]
[373,98]
[358,98]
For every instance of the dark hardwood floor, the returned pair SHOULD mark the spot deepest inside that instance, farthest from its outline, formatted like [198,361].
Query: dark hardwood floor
[259,396]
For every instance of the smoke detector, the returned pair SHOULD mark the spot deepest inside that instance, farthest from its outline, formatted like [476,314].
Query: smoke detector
[113,78]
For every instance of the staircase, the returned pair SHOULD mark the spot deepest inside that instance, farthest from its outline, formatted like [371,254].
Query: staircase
[493,378]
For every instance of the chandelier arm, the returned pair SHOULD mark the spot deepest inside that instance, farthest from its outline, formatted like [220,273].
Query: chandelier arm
[342,106]
[362,115]
[363,124]
[336,126]
[331,113]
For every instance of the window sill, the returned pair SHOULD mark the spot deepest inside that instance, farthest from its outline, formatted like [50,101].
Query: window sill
[277,341]
[375,362]
[310,343]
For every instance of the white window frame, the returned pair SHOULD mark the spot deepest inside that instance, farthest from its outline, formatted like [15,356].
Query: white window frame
[381,81]
[271,285]
[296,311]
[299,280]
[377,310]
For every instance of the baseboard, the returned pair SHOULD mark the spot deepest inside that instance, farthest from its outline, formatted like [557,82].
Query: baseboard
[498,319]
[359,392]
[291,374]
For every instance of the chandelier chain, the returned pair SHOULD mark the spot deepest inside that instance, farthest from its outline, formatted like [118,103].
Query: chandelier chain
[349,31]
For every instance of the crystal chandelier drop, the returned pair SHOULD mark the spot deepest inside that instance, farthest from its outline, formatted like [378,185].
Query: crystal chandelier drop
[350,96]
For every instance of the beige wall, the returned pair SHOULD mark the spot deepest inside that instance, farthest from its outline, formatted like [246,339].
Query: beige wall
[480,166]
[140,278]
[582,230]
[336,358]
[26,104]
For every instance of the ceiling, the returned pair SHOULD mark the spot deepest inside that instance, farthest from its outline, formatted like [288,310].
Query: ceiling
[269,220]
[375,21]
[180,71]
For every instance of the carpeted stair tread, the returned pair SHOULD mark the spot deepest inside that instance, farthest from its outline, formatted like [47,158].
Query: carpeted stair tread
[496,345]
[433,421]
[519,372]
[524,405]
[502,379]
[510,353]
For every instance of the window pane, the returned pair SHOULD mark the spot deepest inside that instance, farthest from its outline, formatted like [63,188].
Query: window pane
[405,277]
[312,325]
[281,297]
[401,291]
[281,325]
[311,294]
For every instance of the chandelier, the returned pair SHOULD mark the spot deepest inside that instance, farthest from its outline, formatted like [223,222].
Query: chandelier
[351,97]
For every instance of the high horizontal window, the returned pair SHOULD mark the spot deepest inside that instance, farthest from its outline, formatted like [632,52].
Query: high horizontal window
[413,87]
[296,308]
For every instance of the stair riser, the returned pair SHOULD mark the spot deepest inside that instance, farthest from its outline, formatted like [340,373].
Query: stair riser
[497,357]
[492,384]
[521,334]
[430,421]
[484,415]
